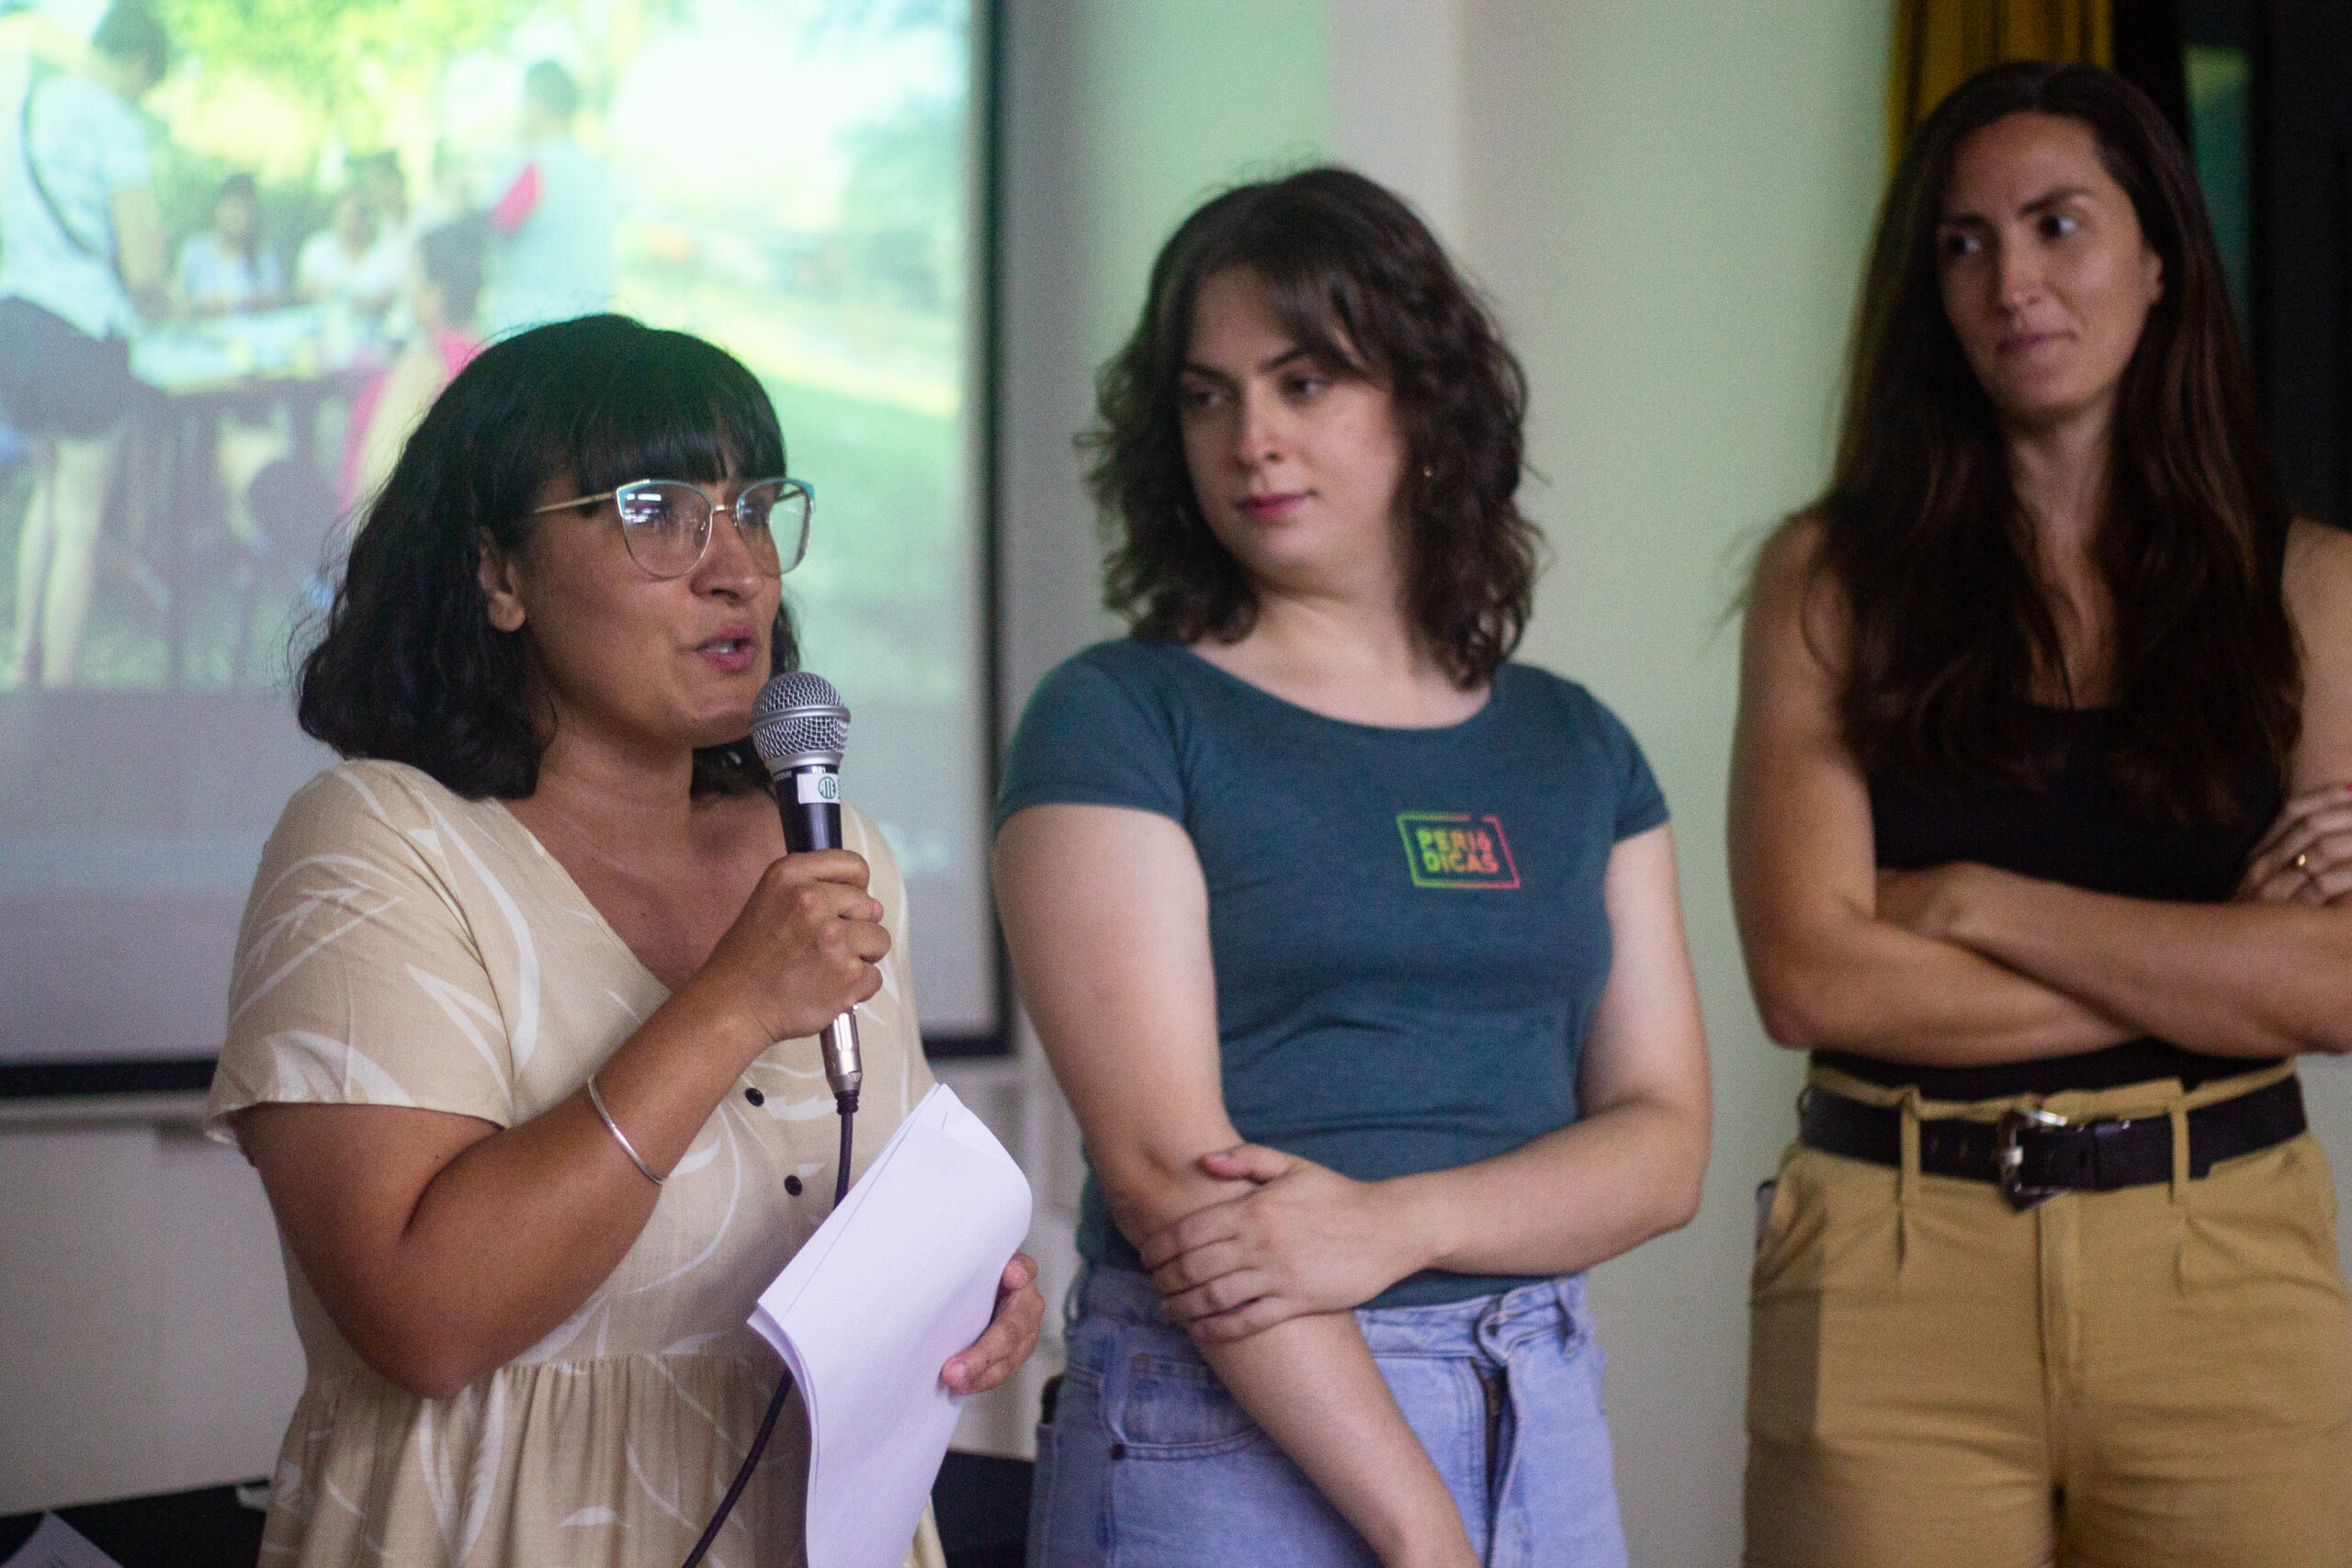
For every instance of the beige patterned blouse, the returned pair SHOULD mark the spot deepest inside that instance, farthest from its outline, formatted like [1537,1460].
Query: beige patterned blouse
[405,946]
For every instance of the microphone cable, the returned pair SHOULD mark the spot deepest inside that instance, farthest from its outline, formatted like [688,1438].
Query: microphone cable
[799,726]
[846,1104]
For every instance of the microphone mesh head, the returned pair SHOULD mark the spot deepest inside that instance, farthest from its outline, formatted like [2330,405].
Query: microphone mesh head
[799,717]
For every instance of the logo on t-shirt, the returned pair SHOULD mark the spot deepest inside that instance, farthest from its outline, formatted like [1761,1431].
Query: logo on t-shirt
[1453,849]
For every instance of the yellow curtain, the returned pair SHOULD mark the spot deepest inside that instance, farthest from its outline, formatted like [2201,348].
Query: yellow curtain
[1938,44]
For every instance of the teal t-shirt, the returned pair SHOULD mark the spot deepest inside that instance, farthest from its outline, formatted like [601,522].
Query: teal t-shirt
[1407,924]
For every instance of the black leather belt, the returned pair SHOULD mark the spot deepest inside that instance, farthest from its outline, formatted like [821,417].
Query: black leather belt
[2032,1155]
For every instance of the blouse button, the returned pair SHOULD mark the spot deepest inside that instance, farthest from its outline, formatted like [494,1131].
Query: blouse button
[755,1097]
[792,1184]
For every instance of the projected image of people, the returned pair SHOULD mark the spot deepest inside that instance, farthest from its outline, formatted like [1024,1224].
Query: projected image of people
[81,256]
[224,219]
[226,267]
[555,216]
[242,250]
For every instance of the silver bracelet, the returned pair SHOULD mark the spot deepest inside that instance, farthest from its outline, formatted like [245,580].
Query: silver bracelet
[619,1137]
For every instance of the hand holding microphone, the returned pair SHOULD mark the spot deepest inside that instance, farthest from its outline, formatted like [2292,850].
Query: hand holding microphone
[801,728]
[804,951]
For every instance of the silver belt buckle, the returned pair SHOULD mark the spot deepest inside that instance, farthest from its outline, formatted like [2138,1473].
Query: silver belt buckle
[2009,1159]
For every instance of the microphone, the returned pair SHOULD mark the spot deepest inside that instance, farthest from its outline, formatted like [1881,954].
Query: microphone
[800,729]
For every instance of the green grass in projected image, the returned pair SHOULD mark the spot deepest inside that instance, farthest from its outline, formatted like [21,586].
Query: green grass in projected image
[785,179]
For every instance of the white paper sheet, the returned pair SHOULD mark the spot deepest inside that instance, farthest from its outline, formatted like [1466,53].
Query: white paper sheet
[902,1277]
[56,1544]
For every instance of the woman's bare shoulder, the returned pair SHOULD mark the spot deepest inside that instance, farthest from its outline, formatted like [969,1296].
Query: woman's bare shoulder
[2318,565]
[1791,555]
[1794,598]
[2318,590]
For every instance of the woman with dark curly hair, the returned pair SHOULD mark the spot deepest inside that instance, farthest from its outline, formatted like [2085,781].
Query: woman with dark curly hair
[517,1029]
[2052,1269]
[1354,945]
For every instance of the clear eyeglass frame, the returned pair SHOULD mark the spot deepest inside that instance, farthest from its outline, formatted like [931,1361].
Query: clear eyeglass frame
[658,516]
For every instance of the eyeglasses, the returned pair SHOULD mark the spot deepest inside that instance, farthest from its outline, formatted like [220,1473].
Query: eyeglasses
[666,522]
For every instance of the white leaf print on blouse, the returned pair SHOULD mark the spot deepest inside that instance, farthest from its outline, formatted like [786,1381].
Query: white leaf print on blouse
[433,1466]
[352,893]
[475,1420]
[663,1501]
[287,1491]
[314,1070]
[801,1110]
[523,1033]
[726,1139]
[467,1010]
[481,1478]
[698,1155]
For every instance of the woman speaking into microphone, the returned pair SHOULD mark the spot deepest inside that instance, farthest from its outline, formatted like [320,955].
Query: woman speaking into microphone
[519,1031]
[1355,945]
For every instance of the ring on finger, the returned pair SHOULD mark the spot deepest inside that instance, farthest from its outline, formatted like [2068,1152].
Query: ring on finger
[2302,862]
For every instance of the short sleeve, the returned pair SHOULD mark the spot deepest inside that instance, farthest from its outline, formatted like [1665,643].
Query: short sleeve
[358,979]
[79,125]
[1641,805]
[80,121]
[1096,732]
[124,160]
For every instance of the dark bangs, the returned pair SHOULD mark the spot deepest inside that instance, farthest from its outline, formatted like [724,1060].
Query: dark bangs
[406,666]
[1317,300]
[673,408]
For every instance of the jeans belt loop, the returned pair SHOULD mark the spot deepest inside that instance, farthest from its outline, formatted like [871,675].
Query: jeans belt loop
[1906,1180]
[1487,1332]
[2178,1110]
[1567,1294]
[1509,1356]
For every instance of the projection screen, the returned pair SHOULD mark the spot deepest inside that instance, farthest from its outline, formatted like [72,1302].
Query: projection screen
[794,179]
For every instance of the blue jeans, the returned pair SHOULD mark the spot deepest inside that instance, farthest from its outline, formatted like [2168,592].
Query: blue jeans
[1148,1463]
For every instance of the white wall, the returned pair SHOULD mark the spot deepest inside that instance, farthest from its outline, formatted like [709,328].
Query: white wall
[1671,201]
[148,1343]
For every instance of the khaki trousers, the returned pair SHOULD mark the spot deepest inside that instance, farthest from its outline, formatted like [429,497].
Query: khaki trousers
[2155,1377]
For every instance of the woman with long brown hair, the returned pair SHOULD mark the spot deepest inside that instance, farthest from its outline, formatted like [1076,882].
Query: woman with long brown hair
[2037,812]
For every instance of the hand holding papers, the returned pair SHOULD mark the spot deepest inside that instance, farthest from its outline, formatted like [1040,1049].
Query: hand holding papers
[900,1277]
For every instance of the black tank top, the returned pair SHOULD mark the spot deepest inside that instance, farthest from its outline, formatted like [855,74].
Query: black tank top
[2078,829]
